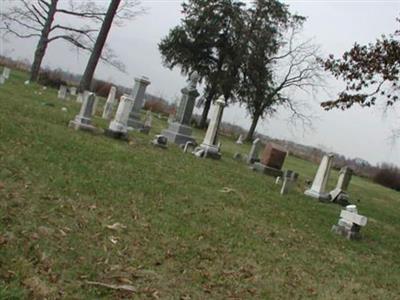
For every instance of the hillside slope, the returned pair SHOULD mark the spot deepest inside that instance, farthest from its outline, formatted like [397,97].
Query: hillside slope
[181,235]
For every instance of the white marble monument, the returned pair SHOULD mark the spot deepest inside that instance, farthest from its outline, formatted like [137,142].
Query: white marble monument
[254,151]
[119,126]
[318,187]
[342,185]
[240,140]
[350,223]
[109,106]
[138,93]
[2,79]
[210,146]
[72,91]
[83,120]
[289,180]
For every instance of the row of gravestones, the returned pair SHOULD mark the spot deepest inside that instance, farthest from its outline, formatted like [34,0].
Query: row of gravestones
[179,131]
[270,163]
[5,75]
[127,117]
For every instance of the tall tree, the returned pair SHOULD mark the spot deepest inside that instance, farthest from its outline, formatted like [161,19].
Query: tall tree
[98,46]
[37,19]
[371,72]
[208,41]
[275,63]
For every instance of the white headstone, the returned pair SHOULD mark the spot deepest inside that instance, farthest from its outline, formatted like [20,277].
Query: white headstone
[83,120]
[240,140]
[96,102]
[6,73]
[119,126]
[210,145]
[72,91]
[62,92]
[2,79]
[255,149]
[108,107]
[318,187]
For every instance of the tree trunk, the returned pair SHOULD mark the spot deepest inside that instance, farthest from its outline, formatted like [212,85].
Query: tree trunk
[253,126]
[87,77]
[206,109]
[43,42]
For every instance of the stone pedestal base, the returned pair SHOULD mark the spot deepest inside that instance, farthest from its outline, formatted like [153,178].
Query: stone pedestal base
[178,134]
[77,125]
[350,234]
[116,134]
[319,196]
[207,151]
[259,167]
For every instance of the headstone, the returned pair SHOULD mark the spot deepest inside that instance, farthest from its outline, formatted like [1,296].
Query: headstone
[108,107]
[289,179]
[210,146]
[318,186]
[62,92]
[240,140]
[83,120]
[160,141]
[72,91]
[273,156]
[278,180]
[179,130]
[350,223]
[2,79]
[6,73]
[119,126]
[339,194]
[27,82]
[253,154]
[271,161]
[138,94]
[147,123]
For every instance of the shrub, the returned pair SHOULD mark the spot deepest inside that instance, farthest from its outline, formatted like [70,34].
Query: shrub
[389,176]
[51,78]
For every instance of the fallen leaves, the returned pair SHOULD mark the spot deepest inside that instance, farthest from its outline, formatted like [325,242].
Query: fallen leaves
[38,287]
[116,226]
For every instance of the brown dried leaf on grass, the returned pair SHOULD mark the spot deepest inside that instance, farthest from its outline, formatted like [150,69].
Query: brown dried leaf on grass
[38,288]
[121,287]
[116,226]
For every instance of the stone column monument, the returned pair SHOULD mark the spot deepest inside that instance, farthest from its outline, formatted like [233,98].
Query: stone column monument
[318,187]
[108,108]
[138,93]
[119,126]
[83,120]
[342,185]
[210,147]
[179,130]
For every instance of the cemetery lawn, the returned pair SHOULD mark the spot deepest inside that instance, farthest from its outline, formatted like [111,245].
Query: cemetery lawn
[78,208]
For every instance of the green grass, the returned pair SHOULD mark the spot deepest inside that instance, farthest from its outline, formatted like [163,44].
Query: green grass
[184,237]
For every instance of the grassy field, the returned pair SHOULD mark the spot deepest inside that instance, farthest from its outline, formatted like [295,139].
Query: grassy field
[77,208]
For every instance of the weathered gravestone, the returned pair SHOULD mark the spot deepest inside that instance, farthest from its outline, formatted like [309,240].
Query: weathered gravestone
[289,179]
[318,187]
[2,79]
[62,92]
[81,96]
[240,140]
[210,146]
[83,120]
[254,151]
[272,160]
[94,109]
[138,93]
[72,91]
[108,107]
[179,130]
[350,223]
[6,73]
[339,194]
[147,123]
[118,128]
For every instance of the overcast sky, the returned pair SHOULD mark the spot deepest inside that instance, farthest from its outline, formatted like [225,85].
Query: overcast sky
[334,25]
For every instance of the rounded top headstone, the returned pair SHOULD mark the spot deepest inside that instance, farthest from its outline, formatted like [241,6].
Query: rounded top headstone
[352,208]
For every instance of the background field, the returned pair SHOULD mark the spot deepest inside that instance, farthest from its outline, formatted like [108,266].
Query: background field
[183,235]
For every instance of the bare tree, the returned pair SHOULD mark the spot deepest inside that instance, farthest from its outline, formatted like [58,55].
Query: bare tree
[295,68]
[36,19]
